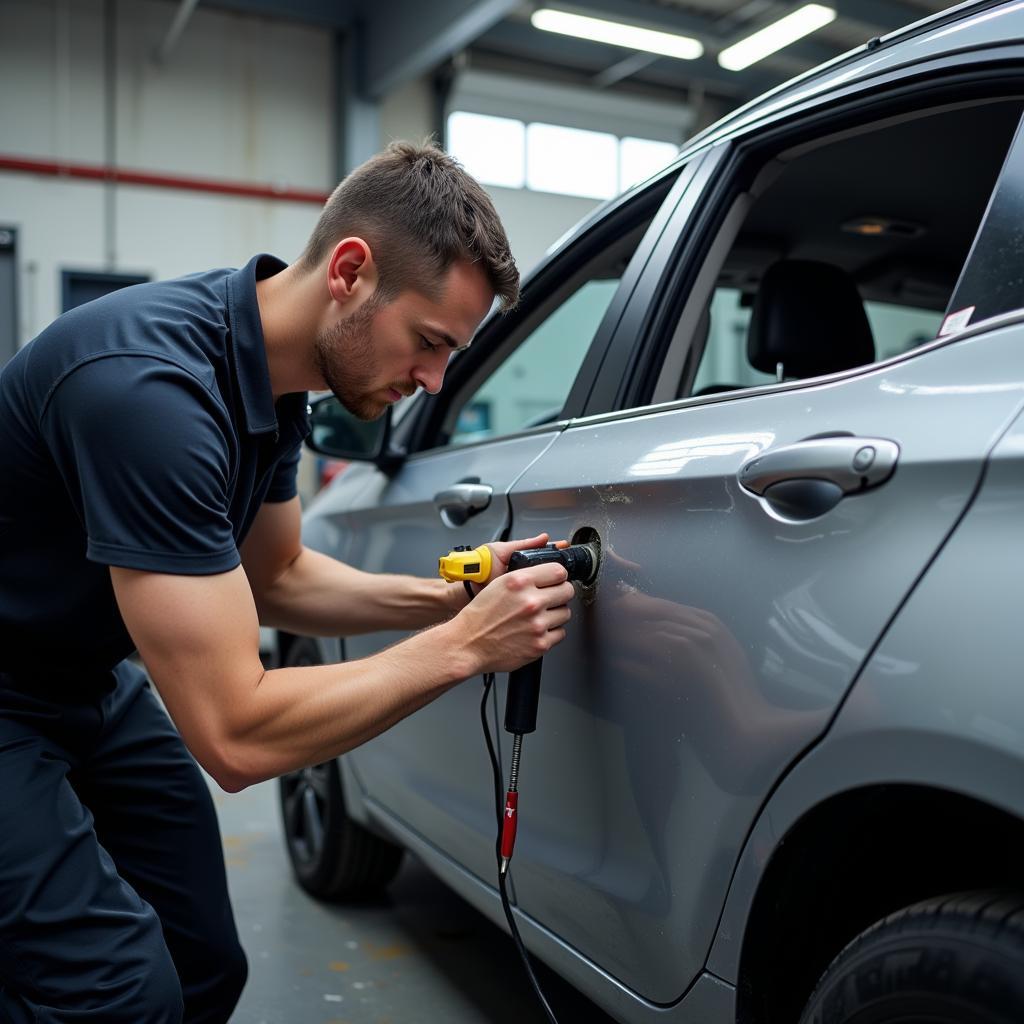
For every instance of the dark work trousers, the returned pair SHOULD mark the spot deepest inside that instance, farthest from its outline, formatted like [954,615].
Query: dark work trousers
[113,898]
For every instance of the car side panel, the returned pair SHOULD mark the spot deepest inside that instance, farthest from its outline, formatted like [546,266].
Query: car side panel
[939,703]
[721,639]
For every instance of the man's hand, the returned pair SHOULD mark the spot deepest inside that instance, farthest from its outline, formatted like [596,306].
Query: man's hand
[519,617]
[503,550]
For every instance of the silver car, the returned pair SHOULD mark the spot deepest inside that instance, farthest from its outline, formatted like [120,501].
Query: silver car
[778,773]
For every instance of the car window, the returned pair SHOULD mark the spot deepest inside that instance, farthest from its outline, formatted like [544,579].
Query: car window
[845,252]
[531,386]
[725,365]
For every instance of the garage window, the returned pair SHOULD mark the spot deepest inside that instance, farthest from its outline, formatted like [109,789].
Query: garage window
[842,253]
[553,158]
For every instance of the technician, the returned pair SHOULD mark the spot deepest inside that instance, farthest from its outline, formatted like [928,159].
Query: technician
[148,451]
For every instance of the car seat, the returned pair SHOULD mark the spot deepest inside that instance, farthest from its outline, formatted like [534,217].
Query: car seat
[809,319]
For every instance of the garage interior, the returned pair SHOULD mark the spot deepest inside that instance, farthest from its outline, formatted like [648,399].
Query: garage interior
[145,139]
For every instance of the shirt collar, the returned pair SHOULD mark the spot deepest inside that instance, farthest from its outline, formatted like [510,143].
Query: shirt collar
[247,345]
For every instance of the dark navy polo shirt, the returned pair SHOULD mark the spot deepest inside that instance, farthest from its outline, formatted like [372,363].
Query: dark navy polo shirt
[140,431]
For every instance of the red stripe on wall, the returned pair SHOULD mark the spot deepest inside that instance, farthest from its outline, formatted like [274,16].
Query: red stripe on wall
[118,176]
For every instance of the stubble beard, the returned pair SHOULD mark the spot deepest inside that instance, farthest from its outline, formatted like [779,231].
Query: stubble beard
[345,360]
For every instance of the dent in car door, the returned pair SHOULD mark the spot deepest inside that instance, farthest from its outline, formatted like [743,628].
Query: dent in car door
[721,637]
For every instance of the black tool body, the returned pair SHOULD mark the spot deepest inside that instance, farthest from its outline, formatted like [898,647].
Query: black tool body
[580,561]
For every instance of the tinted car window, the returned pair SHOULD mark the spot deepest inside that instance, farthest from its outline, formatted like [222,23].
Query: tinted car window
[851,252]
[896,329]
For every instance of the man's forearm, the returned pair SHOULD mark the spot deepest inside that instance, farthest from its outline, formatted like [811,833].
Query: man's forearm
[294,717]
[320,596]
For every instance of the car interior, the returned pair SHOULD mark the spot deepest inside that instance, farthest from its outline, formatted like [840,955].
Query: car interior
[844,251]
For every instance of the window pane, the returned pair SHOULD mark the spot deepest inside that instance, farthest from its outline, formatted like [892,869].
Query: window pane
[531,386]
[724,364]
[898,329]
[490,148]
[640,158]
[571,161]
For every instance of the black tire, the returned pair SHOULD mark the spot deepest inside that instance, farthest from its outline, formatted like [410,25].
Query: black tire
[333,857]
[956,959]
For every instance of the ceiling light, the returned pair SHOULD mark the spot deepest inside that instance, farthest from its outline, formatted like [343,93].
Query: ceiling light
[617,34]
[775,36]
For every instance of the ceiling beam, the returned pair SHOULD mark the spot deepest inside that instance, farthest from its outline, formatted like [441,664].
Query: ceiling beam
[408,38]
[336,14]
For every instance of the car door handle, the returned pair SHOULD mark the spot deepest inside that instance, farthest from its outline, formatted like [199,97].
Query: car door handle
[458,503]
[808,478]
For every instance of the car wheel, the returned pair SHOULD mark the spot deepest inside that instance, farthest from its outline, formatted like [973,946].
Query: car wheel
[333,857]
[955,959]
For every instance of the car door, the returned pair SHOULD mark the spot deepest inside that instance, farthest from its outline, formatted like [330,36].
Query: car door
[500,410]
[756,542]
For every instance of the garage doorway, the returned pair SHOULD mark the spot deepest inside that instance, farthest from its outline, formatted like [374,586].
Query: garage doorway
[8,294]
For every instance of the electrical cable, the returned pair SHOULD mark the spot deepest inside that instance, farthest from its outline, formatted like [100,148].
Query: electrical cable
[492,754]
[465,564]
[502,876]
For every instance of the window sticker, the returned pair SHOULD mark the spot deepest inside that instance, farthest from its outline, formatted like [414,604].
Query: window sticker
[956,321]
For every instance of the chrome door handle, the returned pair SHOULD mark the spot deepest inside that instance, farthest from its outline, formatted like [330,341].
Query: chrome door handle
[808,478]
[460,501]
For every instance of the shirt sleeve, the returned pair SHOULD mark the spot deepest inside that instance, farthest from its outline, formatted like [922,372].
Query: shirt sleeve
[283,485]
[144,449]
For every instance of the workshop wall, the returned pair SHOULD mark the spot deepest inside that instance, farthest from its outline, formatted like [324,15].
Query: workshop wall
[239,99]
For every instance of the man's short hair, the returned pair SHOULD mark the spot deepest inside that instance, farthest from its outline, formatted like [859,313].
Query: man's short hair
[420,212]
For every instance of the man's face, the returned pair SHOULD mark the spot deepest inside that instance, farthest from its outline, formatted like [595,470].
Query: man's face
[382,352]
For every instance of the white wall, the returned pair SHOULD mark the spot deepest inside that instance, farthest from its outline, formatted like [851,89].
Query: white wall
[240,98]
[408,112]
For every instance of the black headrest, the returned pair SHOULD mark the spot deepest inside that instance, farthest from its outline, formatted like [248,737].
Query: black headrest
[809,317]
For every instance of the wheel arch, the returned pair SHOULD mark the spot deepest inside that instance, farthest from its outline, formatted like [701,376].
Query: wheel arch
[861,827]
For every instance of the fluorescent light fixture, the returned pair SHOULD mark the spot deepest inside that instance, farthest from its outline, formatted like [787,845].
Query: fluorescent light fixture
[617,34]
[774,37]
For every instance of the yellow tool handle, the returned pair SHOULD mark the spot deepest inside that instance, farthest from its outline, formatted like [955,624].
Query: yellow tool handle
[466,564]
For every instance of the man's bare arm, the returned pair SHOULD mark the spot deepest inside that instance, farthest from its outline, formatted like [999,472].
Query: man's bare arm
[199,639]
[312,594]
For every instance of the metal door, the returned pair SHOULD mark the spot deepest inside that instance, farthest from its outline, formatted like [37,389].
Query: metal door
[725,628]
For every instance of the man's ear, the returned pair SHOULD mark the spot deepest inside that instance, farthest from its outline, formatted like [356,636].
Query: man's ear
[351,271]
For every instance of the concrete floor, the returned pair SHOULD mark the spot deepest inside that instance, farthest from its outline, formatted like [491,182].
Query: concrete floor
[420,956]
